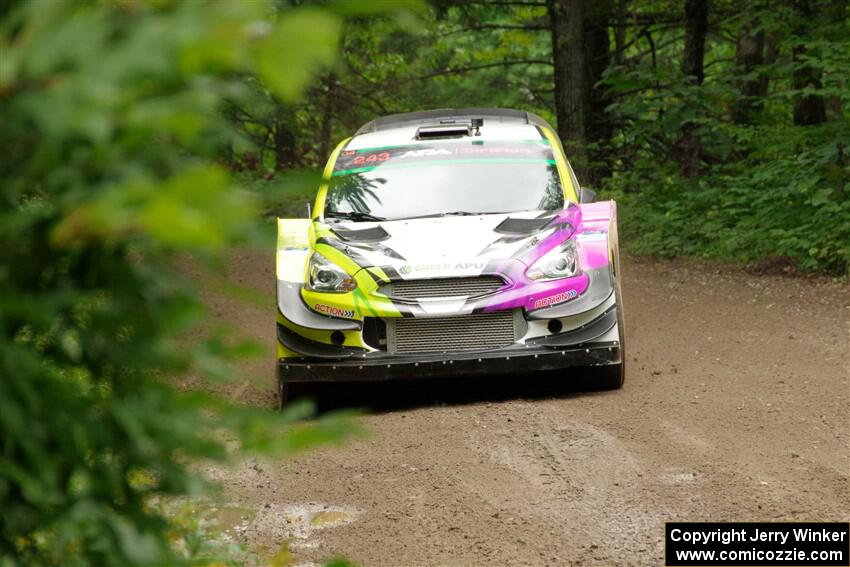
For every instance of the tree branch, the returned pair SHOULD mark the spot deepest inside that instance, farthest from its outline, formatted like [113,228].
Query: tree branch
[483,27]
[467,69]
[658,47]
[719,60]
[505,3]
[354,95]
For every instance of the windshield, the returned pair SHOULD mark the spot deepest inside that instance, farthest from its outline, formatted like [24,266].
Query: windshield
[444,178]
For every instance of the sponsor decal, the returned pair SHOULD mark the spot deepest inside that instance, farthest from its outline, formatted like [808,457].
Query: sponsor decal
[407,268]
[592,235]
[428,152]
[497,150]
[371,158]
[554,299]
[335,311]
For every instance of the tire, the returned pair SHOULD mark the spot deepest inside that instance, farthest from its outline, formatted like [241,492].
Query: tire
[613,376]
[283,393]
[288,392]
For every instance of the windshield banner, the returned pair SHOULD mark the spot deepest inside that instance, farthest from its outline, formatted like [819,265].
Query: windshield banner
[356,161]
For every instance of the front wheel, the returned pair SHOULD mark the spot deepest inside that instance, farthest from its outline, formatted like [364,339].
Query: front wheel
[611,377]
[288,392]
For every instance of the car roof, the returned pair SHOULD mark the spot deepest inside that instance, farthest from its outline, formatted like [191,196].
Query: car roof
[398,129]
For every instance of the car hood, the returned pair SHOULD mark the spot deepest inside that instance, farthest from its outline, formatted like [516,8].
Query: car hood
[453,246]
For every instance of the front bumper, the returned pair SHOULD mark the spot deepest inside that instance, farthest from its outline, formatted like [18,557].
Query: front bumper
[578,347]
[591,337]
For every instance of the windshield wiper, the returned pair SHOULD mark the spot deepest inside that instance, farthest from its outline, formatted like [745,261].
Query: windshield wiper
[454,214]
[355,216]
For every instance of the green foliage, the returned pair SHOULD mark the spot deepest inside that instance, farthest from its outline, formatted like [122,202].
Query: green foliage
[311,51]
[391,62]
[108,183]
[786,199]
[767,189]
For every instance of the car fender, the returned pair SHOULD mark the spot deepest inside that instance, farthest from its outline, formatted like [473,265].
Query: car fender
[597,243]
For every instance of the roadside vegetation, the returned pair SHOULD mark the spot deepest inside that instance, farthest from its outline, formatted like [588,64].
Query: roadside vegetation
[721,127]
[136,134]
[112,137]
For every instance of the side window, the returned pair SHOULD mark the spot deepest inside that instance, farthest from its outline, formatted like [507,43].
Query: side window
[573,178]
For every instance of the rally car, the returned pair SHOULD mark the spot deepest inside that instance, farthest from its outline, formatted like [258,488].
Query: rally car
[451,242]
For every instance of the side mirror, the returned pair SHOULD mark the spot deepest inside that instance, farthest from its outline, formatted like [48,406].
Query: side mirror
[308,207]
[587,195]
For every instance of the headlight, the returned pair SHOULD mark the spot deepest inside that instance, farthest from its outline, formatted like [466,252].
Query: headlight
[559,262]
[324,275]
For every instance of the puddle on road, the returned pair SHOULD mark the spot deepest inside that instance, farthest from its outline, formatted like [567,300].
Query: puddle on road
[274,534]
[229,519]
[678,477]
[278,535]
[330,518]
[286,534]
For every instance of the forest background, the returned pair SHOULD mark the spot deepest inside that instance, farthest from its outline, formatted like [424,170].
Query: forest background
[136,134]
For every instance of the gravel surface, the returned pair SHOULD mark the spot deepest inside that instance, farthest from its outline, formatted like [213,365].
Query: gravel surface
[735,407]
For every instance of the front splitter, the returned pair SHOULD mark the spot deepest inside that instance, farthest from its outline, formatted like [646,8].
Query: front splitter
[517,359]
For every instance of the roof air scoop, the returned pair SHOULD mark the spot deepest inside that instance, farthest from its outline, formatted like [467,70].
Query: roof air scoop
[449,129]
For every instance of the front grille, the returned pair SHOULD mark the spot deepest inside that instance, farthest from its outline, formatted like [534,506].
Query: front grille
[443,287]
[460,333]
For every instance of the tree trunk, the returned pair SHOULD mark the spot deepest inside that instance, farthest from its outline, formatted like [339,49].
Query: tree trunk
[620,33]
[749,56]
[327,118]
[598,56]
[836,11]
[571,89]
[810,108]
[696,26]
[285,141]
[581,53]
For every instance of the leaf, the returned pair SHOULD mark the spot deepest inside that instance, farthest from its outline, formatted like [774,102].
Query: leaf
[302,43]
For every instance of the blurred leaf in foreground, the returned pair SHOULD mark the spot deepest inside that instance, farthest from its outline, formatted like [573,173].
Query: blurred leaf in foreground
[108,182]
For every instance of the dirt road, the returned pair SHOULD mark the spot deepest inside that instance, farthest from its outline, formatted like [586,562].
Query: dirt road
[735,408]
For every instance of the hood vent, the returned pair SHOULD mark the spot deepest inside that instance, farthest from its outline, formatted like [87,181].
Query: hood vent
[374,234]
[522,226]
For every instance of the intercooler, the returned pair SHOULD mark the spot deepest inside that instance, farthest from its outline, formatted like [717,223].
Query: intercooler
[482,331]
